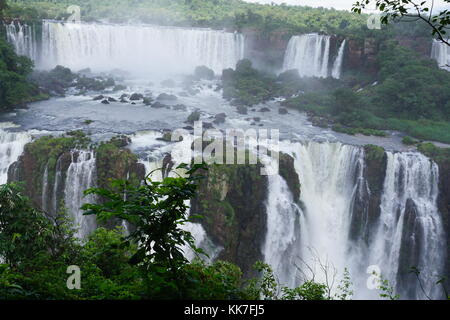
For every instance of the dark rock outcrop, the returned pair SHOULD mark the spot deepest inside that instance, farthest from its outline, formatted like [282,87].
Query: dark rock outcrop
[366,209]
[231,200]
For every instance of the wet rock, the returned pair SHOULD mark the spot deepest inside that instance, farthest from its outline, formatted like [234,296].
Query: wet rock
[119,87]
[242,110]
[219,118]
[203,72]
[124,96]
[136,96]
[105,101]
[100,97]
[111,99]
[207,125]
[264,109]
[188,128]
[158,105]
[179,107]
[282,111]
[319,122]
[147,101]
[168,97]
[257,119]
[194,116]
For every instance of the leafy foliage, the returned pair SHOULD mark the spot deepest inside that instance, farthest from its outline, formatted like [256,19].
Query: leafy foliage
[423,11]
[220,14]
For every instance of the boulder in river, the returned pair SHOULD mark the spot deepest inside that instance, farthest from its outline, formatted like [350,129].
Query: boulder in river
[207,125]
[219,118]
[111,99]
[168,97]
[264,109]
[203,72]
[100,97]
[136,96]
[242,110]
[179,107]
[119,87]
[158,105]
[105,101]
[282,111]
[148,101]
[194,116]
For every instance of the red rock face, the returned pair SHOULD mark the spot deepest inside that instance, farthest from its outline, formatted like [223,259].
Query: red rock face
[362,55]
[421,45]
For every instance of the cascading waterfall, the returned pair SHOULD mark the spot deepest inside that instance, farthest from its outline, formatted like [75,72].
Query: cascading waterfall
[337,66]
[441,53]
[329,174]
[309,54]
[180,153]
[410,231]
[81,175]
[282,240]
[317,237]
[22,37]
[11,147]
[140,49]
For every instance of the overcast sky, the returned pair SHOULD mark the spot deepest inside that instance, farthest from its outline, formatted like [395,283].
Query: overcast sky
[337,4]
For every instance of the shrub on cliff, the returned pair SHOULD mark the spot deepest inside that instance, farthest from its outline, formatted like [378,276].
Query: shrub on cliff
[15,89]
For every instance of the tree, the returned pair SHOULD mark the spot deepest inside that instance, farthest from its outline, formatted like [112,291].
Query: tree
[3,6]
[423,10]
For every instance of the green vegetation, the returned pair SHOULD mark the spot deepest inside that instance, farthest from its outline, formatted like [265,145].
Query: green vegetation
[436,21]
[247,86]
[147,264]
[411,95]
[373,152]
[409,141]
[234,14]
[14,87]
[436,153]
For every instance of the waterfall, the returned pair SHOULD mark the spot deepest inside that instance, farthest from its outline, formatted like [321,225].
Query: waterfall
[180,153]
[410,231]
[309,54]
[329,175]
[11,147]
[142,49]
[337,66]
[317,235]
[441,53]
[81,175]
[282,239]
[21,36]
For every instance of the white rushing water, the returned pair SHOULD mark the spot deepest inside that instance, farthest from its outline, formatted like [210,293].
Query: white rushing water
[81,175]
[11,147]
[22,37]
[310,55]
[282,241]
[314,240]
[410,231]
[154,161]
[138,49]
[337,66]
[441,53]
